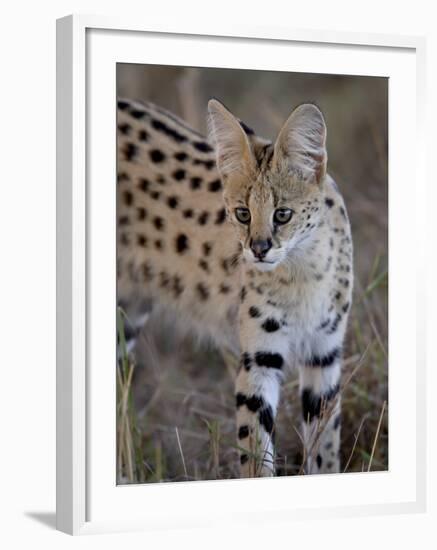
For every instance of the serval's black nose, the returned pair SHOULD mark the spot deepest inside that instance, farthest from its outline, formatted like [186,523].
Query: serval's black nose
[260,247]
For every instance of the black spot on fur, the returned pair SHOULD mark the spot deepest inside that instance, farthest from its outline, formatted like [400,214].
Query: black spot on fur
[188,213]
[345,307]
[221,216]
[195,183]
[159,244]
[128,198]
[179,175]
[170,132]
[164,279]
[130,151]
[157,156]
[160,179]
[202,146]
[202,291]
[312,403]
[319,461]
[329,202]
[254,312]
[204,265]
[182,243]
[141,213]
[123,220]
[224,289]
[122,105]
[334,324]
[122,176]
[143,135]
[344,282]
[343,212]
[181,156]
[243,459]
[173,202]
[243,432]
[144,184]
[207,247]
[203,218]
[271,325]
[177,286]
[243,294]
[324,360]
[266,419]
[215,186]
[240,399]
[254,403]
[269,360]
[158,222]
[142,240]
[155,195]
[246,361]
[337,421]
[124,128]
[208,164]
[230,264]
[124,239]
[137,113]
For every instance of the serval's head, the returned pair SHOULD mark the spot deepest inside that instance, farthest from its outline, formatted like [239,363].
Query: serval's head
[273,191]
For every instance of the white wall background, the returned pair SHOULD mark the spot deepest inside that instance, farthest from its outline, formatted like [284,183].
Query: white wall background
[27,218]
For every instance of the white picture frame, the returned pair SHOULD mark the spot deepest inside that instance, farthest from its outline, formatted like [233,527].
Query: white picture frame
[87,48]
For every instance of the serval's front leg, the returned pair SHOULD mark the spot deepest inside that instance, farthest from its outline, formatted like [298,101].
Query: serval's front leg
[264,353]
[320,394]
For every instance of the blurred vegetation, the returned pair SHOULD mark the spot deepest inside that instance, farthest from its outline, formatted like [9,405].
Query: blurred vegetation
[176,410]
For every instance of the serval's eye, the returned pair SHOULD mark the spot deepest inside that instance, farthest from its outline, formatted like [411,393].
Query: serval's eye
[282,215]
[242,215]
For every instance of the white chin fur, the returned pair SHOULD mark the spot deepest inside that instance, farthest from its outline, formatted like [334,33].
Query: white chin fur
[264,266]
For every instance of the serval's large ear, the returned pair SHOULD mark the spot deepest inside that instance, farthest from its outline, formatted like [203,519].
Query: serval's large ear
[301,144]
[233,149]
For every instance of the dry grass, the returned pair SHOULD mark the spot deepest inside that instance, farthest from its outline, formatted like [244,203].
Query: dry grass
[176,408]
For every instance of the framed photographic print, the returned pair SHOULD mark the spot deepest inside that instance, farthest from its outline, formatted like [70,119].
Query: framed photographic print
[236,318]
